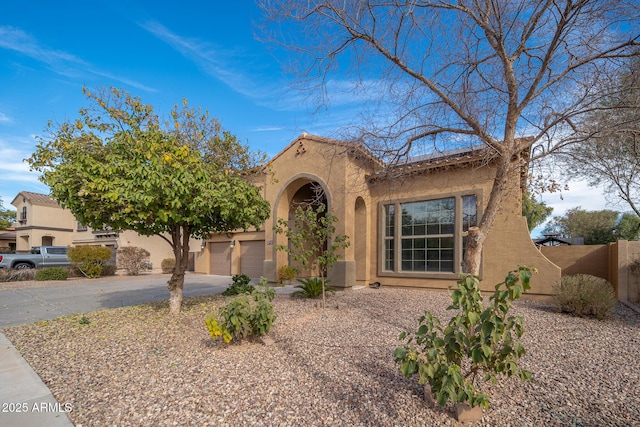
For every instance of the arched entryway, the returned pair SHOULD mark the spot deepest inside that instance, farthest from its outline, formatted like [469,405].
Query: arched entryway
[309,195]
[304,190]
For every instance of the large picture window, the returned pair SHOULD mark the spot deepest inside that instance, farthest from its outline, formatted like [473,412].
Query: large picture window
[427,236]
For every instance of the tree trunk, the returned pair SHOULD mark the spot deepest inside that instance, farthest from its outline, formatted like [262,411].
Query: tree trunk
[473,254]
[175,293]
[477,236]
[180,244]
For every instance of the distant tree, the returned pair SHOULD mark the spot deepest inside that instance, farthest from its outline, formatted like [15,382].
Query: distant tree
[7,217]
[119,166]
[535,212]
[610,153]
[596,227]
[448,74]
[628,227]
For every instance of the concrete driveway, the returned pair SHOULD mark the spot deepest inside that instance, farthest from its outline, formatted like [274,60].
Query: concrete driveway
[34,301]
[27,305]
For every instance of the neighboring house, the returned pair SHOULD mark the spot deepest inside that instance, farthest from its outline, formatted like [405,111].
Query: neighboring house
[555,240]
[8,240]
[41,221]
[406,223]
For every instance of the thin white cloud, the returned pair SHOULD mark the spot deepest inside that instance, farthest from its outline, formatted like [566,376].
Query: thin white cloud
[60,62]
[5,119]
[237,69]
[268,129]
[13,151]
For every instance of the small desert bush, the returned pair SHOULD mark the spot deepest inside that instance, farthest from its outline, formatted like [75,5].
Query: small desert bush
[312,288]
[167,265]
[286,273]
[52,273]
[12,275]
[246,315]
[90,260]
[478,342]
[133,259]
[239,286]
[585,295]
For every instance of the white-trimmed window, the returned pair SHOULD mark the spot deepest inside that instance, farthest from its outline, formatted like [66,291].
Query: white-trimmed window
[426,237]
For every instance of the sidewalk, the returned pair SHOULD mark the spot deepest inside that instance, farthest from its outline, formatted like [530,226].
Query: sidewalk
[24,399]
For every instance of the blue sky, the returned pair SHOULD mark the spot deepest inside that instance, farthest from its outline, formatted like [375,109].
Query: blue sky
[163,52]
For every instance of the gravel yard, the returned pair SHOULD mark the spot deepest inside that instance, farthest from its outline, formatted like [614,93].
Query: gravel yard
[138,366]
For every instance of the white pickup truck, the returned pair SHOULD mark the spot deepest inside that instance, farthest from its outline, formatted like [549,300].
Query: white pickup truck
[40,256]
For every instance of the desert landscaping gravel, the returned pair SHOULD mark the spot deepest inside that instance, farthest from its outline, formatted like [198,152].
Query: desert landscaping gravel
[139,366]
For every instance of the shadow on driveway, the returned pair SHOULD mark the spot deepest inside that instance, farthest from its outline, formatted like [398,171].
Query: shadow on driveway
[18,306]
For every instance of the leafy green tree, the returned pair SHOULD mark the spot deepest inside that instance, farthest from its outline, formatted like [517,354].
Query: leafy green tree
[535,212]
[628,227]
[119,166]
[7,217]
[312,240]
[597,227]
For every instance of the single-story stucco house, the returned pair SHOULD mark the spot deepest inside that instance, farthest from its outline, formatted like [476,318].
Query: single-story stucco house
[406,223]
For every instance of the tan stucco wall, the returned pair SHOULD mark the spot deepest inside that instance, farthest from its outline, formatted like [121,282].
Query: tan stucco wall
[508,244]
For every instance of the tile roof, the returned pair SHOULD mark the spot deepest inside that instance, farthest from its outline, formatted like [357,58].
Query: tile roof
[36,198]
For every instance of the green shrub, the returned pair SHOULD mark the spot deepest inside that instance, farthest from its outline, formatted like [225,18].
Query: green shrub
[477,343]
[585,295]
[133,259]
[239,286]
[312,288]
[13,275]
[108,270]
[244,316]
[90,260]
[52,273]
[167,265]
[286,273]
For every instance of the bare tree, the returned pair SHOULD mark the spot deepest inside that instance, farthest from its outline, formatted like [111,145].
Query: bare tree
[462,72]
[610,155]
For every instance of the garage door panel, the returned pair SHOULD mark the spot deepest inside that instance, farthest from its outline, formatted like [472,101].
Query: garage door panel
[220,258]
[252,258]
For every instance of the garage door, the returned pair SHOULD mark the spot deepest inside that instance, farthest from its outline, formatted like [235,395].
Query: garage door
[220,258]
[252,257]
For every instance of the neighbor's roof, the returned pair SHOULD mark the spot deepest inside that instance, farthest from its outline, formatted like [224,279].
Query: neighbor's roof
[35,199]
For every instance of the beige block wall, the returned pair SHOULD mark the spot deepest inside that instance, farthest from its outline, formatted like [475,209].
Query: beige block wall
[157,247]
[583,259]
